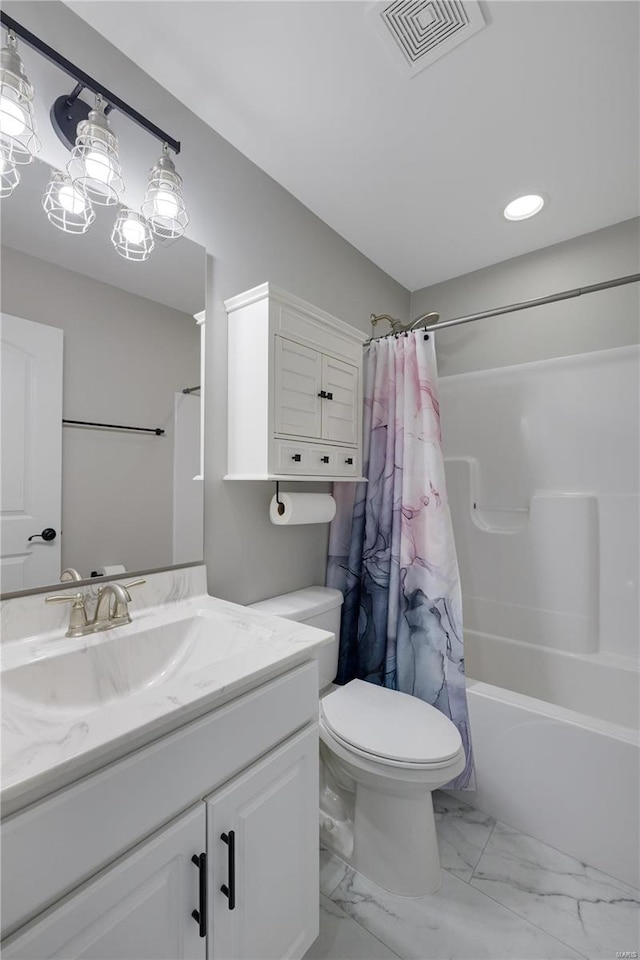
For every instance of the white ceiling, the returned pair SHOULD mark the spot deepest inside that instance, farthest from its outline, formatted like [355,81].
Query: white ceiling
[413,171]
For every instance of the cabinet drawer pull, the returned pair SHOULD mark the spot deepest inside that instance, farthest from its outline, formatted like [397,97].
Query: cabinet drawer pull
[297,457]
[200,915]
[230,891]
[325,459]
[349,460]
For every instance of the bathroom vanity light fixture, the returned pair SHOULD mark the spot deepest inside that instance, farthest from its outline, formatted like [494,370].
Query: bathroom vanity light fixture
[19,142]
[94,172]
[524,207]
[164,205]
[66,206]
[94,166]
[132,236]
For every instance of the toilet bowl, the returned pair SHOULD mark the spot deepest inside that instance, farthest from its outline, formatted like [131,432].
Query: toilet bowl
[382,753]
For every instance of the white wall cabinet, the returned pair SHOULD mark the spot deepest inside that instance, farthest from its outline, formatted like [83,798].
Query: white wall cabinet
[295,390]
[141,905]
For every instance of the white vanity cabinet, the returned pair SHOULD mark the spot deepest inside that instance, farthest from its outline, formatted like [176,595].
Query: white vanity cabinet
[247,771]
[295,390]
[139,909]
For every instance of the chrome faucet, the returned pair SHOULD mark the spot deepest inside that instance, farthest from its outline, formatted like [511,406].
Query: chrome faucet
[70,573]
[115,596]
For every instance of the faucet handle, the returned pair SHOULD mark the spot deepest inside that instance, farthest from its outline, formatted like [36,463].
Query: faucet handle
[134,583]
[78,618]
[77,599]
[121,612]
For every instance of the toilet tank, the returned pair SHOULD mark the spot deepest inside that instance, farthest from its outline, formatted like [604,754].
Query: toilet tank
[317,607]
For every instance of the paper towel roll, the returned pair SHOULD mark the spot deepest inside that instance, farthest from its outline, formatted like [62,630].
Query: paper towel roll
[302,508]
[112,571]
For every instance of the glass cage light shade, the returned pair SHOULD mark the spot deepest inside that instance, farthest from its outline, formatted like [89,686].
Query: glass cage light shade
[67,207]
[9,178]
[164,205]
[94,167]
[19,141]
[132,236]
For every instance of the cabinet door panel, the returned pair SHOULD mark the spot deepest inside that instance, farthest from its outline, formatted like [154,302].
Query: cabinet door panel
[139,908]
[297,385]
[273,811]
[340,413]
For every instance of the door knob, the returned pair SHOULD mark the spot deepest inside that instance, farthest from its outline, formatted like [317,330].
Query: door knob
[47,534]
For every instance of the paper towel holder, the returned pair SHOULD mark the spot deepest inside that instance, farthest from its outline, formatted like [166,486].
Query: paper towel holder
[278,500]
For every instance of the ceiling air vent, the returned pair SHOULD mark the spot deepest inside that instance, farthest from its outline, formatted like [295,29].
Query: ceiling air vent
[418,32]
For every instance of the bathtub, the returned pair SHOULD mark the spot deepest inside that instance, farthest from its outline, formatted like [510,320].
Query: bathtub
[556,748]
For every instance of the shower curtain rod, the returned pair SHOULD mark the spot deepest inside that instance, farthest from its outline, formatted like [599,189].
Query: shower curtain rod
[511,308]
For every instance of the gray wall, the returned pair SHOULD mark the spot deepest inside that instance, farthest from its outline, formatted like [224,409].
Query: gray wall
[124,359]
[254,231]
[609,318]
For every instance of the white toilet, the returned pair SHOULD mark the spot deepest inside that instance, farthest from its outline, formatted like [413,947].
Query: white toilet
[382,753]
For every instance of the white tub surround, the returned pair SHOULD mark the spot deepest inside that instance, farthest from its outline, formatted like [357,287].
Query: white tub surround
[542,474]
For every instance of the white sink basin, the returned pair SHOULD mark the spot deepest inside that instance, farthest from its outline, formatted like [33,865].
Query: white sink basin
[132,661]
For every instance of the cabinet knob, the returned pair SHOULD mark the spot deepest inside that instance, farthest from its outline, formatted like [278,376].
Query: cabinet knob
[325,459]
[349,460]
[297,457]
[323,394]
[329,396]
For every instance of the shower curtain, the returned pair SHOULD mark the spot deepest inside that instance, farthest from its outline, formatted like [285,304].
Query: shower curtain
[391,548]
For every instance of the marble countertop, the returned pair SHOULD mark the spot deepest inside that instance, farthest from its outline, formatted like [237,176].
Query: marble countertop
[46,746]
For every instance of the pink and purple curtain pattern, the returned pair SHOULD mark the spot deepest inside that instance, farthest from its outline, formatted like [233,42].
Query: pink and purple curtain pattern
[391,547]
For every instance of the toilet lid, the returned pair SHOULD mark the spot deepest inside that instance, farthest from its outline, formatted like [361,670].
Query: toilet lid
[390,724]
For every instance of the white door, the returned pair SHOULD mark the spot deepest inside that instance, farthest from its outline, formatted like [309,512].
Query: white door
[297,389]
[270,813]
[139,909]
[31,452]
[340,408]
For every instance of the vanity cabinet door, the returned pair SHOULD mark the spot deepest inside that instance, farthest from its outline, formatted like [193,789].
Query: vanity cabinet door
[262,843]
[138,909]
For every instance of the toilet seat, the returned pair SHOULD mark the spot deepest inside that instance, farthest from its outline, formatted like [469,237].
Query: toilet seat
[389,727]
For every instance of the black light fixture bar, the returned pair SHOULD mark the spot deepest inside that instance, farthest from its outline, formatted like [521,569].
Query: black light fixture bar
[86,81]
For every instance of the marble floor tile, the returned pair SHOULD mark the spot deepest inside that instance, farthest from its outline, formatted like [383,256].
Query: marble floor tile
[343,939]
[462,834]
[457,923]
[584,908]
[332,871]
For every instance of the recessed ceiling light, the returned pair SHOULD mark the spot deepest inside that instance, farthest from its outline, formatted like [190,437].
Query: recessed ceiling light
[524,207]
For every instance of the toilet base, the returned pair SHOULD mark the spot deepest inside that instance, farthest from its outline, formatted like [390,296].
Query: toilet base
[395,842]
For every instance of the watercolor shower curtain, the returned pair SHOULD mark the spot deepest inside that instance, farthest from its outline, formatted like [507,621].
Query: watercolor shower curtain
[391,548]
